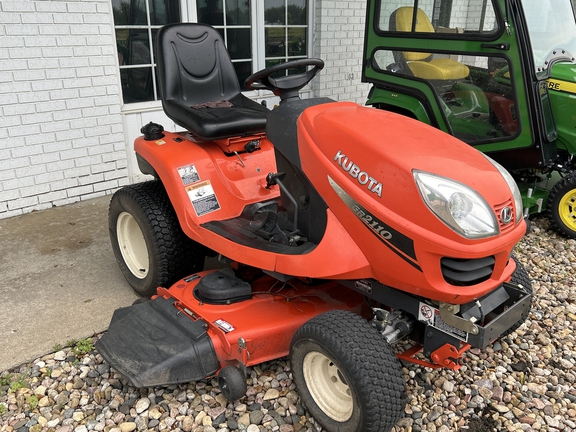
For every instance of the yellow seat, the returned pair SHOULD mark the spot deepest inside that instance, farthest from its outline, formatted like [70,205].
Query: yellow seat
[422,64]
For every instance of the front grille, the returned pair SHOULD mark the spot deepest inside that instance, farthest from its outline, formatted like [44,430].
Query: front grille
[466,272]
[498,208]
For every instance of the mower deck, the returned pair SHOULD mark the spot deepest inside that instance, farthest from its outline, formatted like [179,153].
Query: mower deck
[177,338]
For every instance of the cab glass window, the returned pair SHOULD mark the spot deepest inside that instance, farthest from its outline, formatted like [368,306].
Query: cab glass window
[544,21]
[475,93]
[437,17]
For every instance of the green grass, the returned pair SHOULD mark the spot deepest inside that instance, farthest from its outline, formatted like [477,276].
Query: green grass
[5,380]
[14,382]
[18,383]
[32,402]
[78,347]
[83,346]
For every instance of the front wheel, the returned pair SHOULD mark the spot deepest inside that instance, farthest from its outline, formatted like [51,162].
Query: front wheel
[150,247]
[561,206]
[346,374]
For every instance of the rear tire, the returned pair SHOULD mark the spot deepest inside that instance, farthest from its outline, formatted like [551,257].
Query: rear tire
[150,247]
[561,206]
[346,374]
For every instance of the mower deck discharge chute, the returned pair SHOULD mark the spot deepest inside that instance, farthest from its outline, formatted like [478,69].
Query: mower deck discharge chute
[347,229]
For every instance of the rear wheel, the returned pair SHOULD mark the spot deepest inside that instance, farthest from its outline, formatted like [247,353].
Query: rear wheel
[346,374]
[148,243]
[561,206]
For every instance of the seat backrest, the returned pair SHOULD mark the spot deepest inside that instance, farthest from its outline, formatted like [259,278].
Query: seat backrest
[194,66]
[401,20]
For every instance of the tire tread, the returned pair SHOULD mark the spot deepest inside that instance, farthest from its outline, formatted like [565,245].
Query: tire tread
[520,277]
[561,188]
[175,255]
[370,360]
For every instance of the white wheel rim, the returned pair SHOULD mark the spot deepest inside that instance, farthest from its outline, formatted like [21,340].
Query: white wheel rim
[132,245]
[327,386]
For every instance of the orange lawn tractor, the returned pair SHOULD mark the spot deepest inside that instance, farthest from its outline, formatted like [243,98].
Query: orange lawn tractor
[347,229]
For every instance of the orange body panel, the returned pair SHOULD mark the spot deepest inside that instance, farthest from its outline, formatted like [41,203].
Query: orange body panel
[237,184]
[384,148]
[380,146]
[237,180]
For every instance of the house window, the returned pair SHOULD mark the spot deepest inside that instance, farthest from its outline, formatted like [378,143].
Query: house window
[136,23]
[286,29]
[233,19]
[257,34]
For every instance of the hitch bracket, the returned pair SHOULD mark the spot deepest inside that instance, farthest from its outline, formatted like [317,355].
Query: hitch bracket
[448,314]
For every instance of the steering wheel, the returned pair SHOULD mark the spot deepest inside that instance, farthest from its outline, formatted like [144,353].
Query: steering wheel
[286,87]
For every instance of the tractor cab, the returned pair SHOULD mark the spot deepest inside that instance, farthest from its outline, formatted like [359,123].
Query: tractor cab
[497,74]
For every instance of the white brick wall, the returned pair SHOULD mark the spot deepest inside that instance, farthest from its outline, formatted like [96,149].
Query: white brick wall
[339,42]
[61,130]
[61,135]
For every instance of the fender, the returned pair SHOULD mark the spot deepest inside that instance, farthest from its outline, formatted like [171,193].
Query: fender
[238,181]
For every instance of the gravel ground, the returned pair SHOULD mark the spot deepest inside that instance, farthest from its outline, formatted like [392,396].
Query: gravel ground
[523,382]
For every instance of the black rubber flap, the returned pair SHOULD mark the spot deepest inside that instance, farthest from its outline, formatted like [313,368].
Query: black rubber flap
[222,287]
[154,344]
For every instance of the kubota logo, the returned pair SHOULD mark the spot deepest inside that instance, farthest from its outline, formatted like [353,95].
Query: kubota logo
[362,176]
[506,215]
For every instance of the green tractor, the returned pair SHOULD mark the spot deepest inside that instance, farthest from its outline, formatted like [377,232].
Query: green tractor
[497,74]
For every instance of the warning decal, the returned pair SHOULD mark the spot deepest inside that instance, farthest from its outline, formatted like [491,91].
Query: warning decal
[446,328]
[188,174]
[431,316]
[203,198]
[426,313]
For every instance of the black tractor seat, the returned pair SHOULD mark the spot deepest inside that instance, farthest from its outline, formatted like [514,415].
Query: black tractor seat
[199,86]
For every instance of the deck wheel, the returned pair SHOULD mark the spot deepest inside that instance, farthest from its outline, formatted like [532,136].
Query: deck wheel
[232,383]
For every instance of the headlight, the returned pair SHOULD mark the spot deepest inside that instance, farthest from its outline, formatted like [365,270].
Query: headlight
[512,185]
[458,206]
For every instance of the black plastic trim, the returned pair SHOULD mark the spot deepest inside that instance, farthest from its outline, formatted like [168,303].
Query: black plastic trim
[467,272]
[155,344]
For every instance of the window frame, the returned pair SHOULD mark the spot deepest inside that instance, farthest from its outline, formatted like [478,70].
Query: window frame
[188,13]
[473,36]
